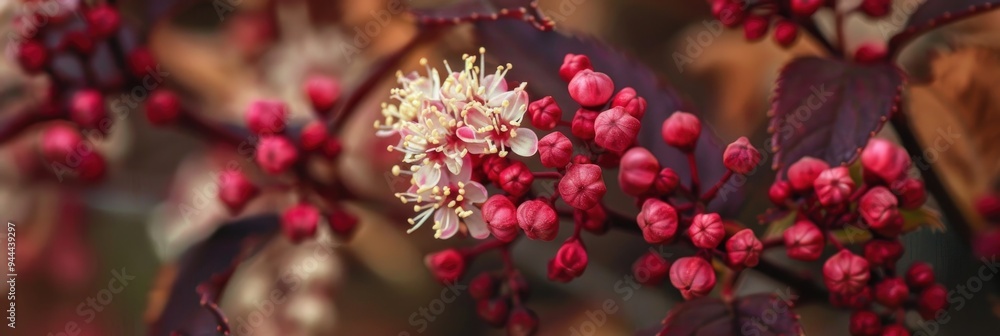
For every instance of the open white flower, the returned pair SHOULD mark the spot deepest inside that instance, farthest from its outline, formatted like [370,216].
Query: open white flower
[450,201]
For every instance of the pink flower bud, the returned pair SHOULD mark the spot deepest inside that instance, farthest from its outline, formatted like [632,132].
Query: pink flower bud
[638,171]
[920,275]
[342,223]
[989,207]
[932,300]
[658,221]
[493,311]
[545,113]
[572,64]
[834,186]
[522,322]
[59,140]
[744,249]
[332,148]
[706,230]
[78,41]
[103,21]
[741,157]
[804,241]
[538,220]
[582,187]
[92,167]
[593,219]
[555,150]
[871,53]
[895,330]
[323,92]
[235,190]
[569,263]
[681,130]
[629,100]
[804,172]
[141,61]
[87,109]
[755,27]
[650,269]
[693,276]
[882,252]
[501,217]
[878,208]
[493,166]
[582,125]
[300,222]
[516,179]
[163,107]
[779,193]
[731,13]
[846,273]
[860,300]
[447,266]
[483,286]
[266,117]
[876,8]
[590,88]
[313,135]
[911,192]
[32,56]
[580,159]
[615,130]
[883,161]
[891,292]
[666,181]
[275,154]
[785,33]
[806,7]
[865,323]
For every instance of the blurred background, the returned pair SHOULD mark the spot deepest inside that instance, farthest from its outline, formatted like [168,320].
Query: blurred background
[155,220]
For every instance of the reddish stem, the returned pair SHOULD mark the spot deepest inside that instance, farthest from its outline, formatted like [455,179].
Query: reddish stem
[695,180]
[711,193]
[483,247]
[547,175]
[773,242]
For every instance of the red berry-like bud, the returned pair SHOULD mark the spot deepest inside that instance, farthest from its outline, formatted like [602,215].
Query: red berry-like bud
[87,108]
[806,7]
[342,223]
[615,130]
[629,100]
[878,208]
[865,323]
[834,186]
[300,222]
[731,14]
[871,53]
[638,171]
[743,248]
[538,220]
[555,150]
[103,21]
[593,219]
[275,154]
[92,167]
[650,269]
[755,27]
[516,179]
[447,266]
[882,252]
[779,193]
[681,130]
[332,148]
[876,8]
[582,125]
[706,230]
[693,276]
[59,140]
[666,181]
[658,221]
[322,91]
[483,286]
[989,207]
[163,107]
[313,135]
[141,62]
[501,217]
[78,41]
[493,166]
[891,292]
[235,190]
[572,64]
[804,241]
[545,113]
[580,159]
[931,301]
[741,157]
[590,88]
[569,263]
[860,300]
[266,116]
[895,330]
[583,186]
[804,172]
[522,322]
[911,192]
[883,161]
[846,273]
[493,311]
[920,275]
[785,33]
[32,56]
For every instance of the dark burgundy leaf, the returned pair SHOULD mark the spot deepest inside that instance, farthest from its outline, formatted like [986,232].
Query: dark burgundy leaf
[935,13]
[483,10]
[536,57]
[829,109]
[758,314]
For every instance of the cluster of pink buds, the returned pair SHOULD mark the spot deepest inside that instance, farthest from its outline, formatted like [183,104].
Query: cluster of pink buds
[758,17]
